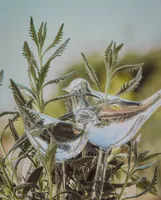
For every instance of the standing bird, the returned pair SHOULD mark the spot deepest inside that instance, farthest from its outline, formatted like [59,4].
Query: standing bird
[70,137]
[120,120]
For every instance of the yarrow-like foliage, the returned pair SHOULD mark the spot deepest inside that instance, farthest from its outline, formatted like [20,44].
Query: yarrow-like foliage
[43,179]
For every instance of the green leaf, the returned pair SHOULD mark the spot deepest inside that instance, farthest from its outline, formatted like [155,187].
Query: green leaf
[18,144]
[131,85]
[108,57]
[150,157]
[40,35]
[42,75]
[23,87]
[17,93]
[81,162]
[77,196]
[32,32]
[150,188]
[27,53]
[50,156]
[8,113]
[144,167]
[16,164]
[44,33]
[28,186]
[127,68]
[3,196]
[62,98]
[57,39]
[33,178]
[57,80]
[35,175]
[13,130]
[59,51]
[116,51]
[1,77]
[91,72]
[108,66]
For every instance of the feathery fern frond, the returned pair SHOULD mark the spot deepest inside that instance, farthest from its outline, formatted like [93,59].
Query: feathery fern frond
[59,51]
[40,35]
[127,68]
[43,73]
[32,32]
[17,93]
[116,52]
[131,85]
[57,80]
[57,39]
[91,72]
[28,54]
[1,77]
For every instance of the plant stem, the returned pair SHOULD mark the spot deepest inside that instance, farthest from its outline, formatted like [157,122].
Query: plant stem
[100,175]
[64,181]
[8,180]
[128,176]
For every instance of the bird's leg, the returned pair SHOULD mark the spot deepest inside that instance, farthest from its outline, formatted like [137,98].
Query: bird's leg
[100,174]
[63,187]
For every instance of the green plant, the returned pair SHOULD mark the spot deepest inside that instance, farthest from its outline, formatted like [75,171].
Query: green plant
[43,179]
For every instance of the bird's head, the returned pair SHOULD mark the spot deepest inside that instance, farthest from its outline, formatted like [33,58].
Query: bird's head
[78,85]
[87,118]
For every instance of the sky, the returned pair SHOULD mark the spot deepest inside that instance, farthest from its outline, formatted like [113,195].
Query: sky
[91,25]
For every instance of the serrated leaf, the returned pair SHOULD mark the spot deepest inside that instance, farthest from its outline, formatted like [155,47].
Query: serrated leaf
[44,33]
[117,167]
[16,164]
[23,87]
[13,130]
[81,162]
[91,72]
[40,34]
[59,51]
[108,66]
[28,54]
[26,186]
[142,156]
[32,32]
[50,155]
[43,73]
[1,77]
[115,52]
[108,56]
[57,80]
[131,85]
[16,92]
[8,113]
[151,186]
[18,144]
[150,157]
[33,178]
[144,167]
[127,68]
[62,98]
[57,39]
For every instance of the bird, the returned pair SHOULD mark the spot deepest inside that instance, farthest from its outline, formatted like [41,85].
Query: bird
[71,137]
[120,119]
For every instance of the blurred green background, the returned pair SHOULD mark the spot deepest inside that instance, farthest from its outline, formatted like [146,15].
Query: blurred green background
[91,25]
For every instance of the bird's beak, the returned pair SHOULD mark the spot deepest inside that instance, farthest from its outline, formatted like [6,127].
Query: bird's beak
[66,89]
